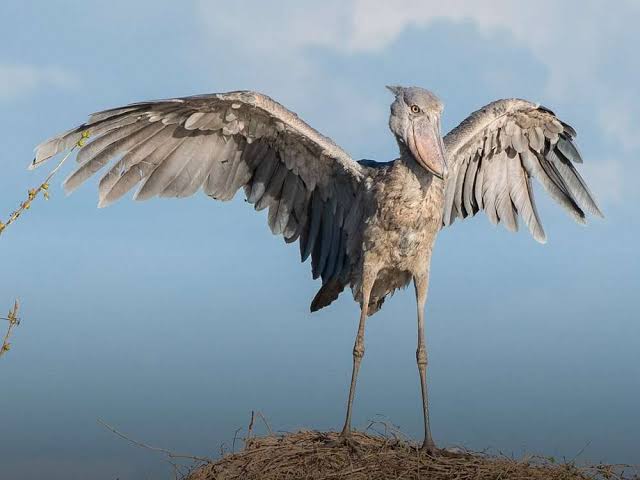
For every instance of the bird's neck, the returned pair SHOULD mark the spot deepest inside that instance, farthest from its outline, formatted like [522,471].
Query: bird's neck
[411,165]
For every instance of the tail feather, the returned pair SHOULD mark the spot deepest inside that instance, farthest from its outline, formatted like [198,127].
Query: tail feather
[327,294]
[375,305]
[330,292]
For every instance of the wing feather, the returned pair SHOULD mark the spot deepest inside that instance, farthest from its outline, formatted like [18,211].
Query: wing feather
[332,260]
[517,141]
[272,194]
[325,239]
[470,204]
[194,173]
[522,197]
[285,205]
[100,159]
[220,143]
[314,226]
[262,175]
[226,151]
[163,173]
[136,155]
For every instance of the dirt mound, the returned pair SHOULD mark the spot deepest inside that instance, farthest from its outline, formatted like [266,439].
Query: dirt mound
[317,455]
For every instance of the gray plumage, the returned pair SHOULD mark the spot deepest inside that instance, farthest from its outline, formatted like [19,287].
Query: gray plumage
[366,225]
[532,143]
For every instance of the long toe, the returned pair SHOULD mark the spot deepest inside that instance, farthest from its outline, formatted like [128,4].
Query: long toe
[345,439]
[352,444]
[429,447]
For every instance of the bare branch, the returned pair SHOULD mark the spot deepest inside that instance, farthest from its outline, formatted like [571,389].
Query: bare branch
[164,451]
[43,187]
[12,318]
[266,423]
[250,429]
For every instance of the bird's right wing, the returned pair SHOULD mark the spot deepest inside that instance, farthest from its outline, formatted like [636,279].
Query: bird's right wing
[221,143]
[494,153]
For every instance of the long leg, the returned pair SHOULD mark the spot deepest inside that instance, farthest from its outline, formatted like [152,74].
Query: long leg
[421,283]
[358,348]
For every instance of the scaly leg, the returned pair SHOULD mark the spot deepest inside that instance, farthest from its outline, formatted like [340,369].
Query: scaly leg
[358,349]
[421,283]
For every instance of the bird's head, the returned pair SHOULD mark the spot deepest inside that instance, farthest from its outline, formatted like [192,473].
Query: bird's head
[415,121]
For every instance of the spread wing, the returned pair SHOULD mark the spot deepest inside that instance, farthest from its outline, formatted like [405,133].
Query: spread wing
[220,143]
[494,153]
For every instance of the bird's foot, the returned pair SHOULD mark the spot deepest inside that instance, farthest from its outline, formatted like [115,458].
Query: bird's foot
[345,439]
[429,447]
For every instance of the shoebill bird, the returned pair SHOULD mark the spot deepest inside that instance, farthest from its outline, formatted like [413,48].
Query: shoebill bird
[366,225]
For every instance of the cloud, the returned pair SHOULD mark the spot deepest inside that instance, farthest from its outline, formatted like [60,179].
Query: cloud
[586,47]
[21,80]
[568,44]
[292,26]
[572,39]
[569,37]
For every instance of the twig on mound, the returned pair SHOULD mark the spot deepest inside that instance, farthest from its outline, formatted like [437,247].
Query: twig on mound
[167,452]
[250,427]
[12,318]
[266,423]
[235,438]
[389,430]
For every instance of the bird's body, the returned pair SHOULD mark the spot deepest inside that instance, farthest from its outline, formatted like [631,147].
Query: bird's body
[367,226]
[399,228]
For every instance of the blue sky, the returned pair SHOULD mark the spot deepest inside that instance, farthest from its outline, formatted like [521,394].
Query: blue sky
[172,320]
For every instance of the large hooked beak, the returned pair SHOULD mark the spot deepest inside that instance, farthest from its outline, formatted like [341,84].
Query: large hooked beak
[425,143]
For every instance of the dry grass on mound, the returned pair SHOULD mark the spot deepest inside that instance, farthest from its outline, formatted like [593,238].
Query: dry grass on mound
[314,456]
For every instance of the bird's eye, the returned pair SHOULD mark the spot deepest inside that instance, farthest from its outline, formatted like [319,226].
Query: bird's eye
[415,108]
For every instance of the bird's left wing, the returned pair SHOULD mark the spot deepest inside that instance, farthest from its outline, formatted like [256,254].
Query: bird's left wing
[494,153]
[220,143]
